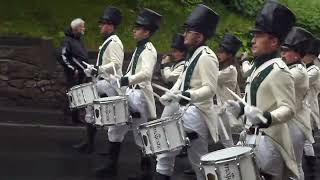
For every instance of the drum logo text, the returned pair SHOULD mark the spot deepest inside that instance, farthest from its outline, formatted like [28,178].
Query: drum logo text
[228,174]
[157,137]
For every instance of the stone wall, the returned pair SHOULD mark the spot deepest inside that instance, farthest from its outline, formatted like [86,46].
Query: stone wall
[30,75]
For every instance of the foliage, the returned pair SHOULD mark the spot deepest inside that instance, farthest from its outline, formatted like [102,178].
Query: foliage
[306,11]
[45,18]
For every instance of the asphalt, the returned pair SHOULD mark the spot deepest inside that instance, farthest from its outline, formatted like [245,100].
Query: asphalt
[33,150]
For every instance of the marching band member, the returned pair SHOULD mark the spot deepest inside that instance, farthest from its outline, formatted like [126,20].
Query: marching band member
[170,71]
[71,53]
[269,93]
[198,82]
[138,79]
[312,53]
[172,65]
[110,54]
[228,47]
[292,52]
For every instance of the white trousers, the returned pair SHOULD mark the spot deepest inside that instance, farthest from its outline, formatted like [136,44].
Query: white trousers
[193,122]
[308,149]
[136,103]
[268,158]
[298,140]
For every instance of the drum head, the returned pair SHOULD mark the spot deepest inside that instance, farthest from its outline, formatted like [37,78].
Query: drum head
[226,153]
[82,85]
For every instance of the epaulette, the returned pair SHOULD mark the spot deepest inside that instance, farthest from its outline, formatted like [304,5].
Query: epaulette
[148,46]
[313,67]
[280,64]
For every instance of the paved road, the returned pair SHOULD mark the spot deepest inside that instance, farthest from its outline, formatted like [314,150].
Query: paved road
[45,153]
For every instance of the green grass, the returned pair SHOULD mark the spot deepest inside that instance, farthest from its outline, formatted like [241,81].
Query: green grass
[44,18]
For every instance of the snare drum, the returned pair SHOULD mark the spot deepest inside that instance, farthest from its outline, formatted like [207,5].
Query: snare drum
[234,163]
[82,95]
[111,111]
[163,135]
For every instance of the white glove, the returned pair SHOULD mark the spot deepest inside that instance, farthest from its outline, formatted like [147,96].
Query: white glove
[168,98]
[233,107]
[252,113]
[87,72]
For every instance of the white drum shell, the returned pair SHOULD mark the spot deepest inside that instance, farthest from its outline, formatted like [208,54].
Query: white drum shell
[162,135]
[241,166]
[82,95]
[111,111]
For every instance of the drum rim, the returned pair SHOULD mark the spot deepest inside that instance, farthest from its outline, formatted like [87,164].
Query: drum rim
[158,122]
[237,157]
[81,85]
[163,151]
[99,101]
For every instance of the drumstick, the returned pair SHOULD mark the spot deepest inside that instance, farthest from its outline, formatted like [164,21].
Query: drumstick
[167,90]
[77,62]
[156,95]
[224,129]
[89,65]
[263,119]
[115,73]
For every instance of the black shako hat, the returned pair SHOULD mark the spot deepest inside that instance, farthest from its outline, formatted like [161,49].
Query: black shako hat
[203,20]
[274,19]
[148,19]
[298,39]
[313,47]
[230,43]
[178,42]
[111,14]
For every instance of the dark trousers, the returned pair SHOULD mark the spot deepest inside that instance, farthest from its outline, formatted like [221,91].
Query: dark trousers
[71,81]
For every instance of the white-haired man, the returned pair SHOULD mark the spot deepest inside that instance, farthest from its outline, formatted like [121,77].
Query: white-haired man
[71,53]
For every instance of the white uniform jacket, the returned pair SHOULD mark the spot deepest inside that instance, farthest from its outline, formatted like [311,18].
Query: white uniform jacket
[270,87]
[111,55]
[301,85]
[203,84]
[143,74]
[313,93]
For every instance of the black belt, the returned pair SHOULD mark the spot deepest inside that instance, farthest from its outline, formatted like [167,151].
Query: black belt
[251,131]
[134,86]
[135,114]
[192,135]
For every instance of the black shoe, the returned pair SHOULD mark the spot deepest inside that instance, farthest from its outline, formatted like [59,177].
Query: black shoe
[83,147]
[189,172]
[102,172]
[110,168]
[141,176]
[158,176]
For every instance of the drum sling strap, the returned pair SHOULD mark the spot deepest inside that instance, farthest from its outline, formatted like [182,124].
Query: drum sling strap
[101,52]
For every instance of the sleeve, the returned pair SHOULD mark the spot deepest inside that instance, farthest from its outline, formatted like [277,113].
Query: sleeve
[313,74]
[116,55]
[209,71]
[228,78]
[283,90]
[148,61]
[246,67]
[169,75]
[63,57]
[177,85]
